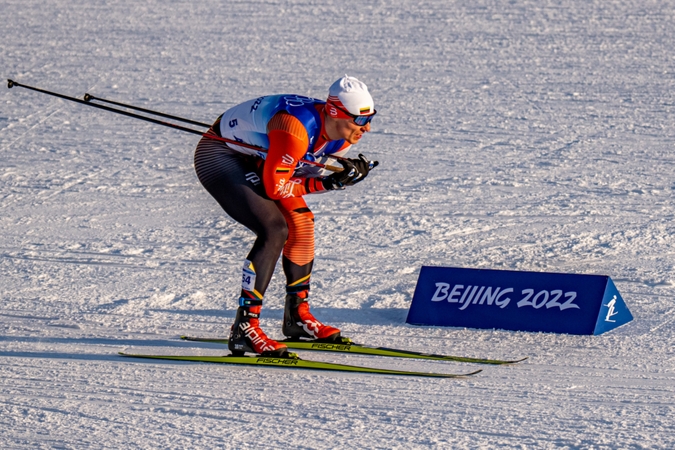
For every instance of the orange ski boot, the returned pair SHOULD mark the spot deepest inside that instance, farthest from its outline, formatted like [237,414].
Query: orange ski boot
[300,323]
[247,337]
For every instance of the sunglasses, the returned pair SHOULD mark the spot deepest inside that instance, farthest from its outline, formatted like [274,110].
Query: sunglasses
[360,120]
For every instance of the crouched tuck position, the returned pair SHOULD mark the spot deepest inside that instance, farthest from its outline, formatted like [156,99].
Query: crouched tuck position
[264,192]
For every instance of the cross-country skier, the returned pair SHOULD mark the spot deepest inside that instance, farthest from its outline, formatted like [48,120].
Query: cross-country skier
[265,194]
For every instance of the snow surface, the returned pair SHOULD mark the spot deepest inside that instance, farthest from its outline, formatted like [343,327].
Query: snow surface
[526,135]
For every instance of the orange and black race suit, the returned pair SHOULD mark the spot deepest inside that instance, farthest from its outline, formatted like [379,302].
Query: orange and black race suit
[266,195]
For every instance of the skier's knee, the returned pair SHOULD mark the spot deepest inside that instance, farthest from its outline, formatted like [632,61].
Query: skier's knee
[276,232]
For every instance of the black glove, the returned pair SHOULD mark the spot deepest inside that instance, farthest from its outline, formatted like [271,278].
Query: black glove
[355,170]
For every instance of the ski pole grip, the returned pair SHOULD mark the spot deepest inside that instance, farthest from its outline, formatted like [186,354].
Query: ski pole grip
[340,169]
[335,169]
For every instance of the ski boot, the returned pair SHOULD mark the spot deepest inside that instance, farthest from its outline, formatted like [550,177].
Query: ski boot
[246,336]
[300,323]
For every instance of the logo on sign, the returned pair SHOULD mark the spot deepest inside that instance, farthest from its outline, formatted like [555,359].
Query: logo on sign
[610,310]
[516,300]
[488,295]
[477,295]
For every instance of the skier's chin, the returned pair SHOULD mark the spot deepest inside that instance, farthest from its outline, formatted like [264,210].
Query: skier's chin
[355,139]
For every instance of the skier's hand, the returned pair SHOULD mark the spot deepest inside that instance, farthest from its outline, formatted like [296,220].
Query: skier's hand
[355,170]
[362,166]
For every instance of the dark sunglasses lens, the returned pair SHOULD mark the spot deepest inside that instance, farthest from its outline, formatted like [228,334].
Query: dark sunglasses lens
[363,120]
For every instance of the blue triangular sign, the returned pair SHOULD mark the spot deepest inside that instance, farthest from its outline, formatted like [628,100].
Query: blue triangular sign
[613,310]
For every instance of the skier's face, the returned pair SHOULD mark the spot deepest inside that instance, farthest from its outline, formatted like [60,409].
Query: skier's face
[345,129]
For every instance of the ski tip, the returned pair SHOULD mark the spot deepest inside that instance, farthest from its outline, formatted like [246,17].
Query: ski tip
[451,375]
[515,361]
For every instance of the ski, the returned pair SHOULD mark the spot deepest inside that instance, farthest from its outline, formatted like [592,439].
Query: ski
[296,363]
[349,347]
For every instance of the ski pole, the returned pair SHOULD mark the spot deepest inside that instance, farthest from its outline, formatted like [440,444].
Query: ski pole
[89,97]
[261,151]
[11,84]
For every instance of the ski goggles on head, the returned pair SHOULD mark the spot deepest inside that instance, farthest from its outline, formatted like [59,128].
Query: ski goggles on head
[339,113]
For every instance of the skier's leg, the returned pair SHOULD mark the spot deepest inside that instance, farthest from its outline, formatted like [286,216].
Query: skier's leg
[298,259]
[233,181]
[298,254]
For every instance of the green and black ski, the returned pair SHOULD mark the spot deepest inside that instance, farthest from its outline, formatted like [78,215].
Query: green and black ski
[296,363]
[349,347]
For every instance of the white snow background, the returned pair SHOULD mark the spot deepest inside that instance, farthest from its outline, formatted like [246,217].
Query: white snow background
[525,135]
